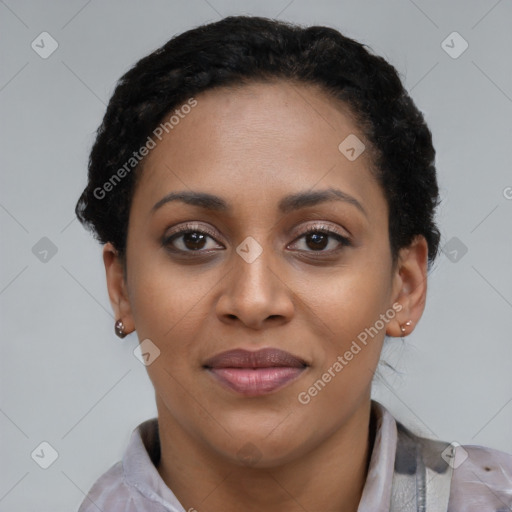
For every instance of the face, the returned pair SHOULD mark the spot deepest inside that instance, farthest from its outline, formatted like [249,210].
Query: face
[285,265]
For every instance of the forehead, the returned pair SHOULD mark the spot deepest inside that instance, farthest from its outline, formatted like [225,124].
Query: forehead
[256,143]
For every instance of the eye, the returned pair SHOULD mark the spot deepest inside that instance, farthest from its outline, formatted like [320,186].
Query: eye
[189,238]
[316,239]
[192,238]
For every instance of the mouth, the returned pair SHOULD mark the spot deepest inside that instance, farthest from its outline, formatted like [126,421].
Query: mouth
[256,373]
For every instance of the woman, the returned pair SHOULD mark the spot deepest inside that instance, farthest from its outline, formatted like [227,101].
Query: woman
[266,195]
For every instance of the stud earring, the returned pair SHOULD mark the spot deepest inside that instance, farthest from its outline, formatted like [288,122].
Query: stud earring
[402,328]
[119,329]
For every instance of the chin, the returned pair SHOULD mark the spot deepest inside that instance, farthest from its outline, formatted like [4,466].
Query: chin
[264,447]
[261,456]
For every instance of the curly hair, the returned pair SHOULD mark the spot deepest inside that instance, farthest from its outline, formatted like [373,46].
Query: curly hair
[240,49]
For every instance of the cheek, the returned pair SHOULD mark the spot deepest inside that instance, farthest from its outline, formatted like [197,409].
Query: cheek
[351,346]
[349,310]
[165,299]
[349,302]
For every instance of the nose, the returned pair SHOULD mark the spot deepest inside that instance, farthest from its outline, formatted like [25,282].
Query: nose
[255,294]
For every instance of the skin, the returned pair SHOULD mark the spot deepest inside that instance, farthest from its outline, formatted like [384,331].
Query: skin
[253,145]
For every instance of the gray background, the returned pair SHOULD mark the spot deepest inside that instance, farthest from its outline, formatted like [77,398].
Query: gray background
[67,380]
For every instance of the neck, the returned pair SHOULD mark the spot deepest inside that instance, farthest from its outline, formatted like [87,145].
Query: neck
[329,477]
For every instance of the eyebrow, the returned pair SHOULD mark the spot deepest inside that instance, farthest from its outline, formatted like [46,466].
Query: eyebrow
[286,205]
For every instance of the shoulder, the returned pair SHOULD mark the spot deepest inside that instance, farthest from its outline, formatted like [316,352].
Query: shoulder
[133,484]
[481,480]
[109,492]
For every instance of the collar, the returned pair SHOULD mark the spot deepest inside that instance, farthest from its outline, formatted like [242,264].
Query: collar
[376,496]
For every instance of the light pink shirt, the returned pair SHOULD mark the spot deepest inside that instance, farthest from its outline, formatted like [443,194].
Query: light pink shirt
[482,483]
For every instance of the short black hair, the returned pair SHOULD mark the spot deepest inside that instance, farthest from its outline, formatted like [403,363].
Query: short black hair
[244,49]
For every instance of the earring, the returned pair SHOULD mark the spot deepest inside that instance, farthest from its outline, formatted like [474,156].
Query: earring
[119,329]
[402,328]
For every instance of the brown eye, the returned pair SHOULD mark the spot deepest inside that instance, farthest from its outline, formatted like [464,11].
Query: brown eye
[317,241]
[194,240]
[318,238]
[190,239]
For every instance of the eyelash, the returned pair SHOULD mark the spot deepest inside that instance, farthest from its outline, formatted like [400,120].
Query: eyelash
[191,228]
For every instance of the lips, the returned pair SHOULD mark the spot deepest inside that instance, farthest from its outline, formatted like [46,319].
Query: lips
[253,373]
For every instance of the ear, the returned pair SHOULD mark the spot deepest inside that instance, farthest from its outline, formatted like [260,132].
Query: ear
[117,289]
[410,286]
